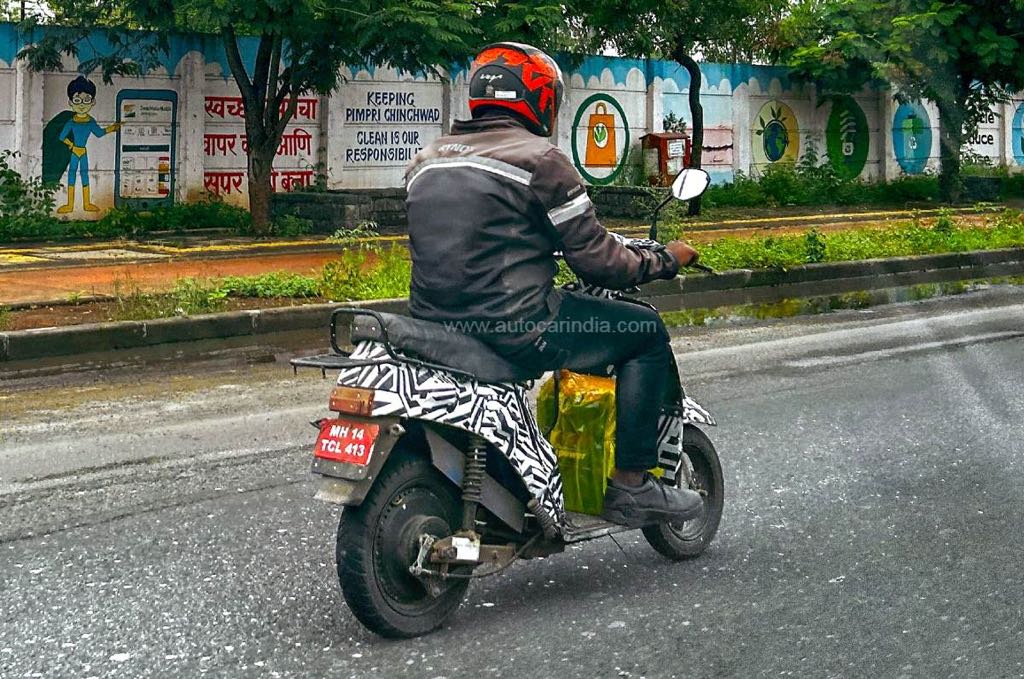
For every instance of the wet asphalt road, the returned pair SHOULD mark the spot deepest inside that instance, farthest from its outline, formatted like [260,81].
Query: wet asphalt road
[872,526]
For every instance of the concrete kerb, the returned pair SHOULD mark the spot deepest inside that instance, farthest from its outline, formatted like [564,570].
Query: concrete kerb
[731,287]
[22,345]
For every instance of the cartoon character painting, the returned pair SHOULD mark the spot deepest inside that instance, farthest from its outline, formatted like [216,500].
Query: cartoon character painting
[73,129]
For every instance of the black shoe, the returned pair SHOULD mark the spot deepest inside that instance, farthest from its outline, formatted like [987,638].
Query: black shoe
[649,503]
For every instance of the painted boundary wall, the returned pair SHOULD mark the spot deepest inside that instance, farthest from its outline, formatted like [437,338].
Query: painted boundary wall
[178,133]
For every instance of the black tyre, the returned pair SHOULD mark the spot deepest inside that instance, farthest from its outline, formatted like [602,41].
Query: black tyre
[689,539]
[379,540]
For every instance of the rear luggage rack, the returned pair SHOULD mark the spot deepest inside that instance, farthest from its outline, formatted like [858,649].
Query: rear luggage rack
[340,359]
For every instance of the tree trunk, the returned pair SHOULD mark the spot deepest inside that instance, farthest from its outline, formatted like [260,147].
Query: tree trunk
[952,118]
[266,115]
[260,189]
[696,113]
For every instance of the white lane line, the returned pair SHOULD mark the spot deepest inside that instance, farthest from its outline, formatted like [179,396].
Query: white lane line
[79,477]
[880,354]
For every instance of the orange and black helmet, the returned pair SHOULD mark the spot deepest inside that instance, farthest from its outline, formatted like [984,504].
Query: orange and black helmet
[517,78]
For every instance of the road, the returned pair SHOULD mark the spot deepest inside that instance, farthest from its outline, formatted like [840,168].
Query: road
[162,524]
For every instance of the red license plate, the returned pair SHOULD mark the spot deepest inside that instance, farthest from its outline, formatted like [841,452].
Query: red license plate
[344,441]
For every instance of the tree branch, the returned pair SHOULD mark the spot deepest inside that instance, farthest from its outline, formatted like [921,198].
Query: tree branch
[230,41]
[261,70]
[272,89]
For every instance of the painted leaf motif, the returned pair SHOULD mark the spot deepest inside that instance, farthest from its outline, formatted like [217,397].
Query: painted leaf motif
[600,134]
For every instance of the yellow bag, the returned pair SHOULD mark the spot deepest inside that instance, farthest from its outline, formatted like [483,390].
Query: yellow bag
[601,151]
[583,436]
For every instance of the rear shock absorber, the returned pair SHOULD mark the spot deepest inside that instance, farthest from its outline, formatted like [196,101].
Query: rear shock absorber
[473,482]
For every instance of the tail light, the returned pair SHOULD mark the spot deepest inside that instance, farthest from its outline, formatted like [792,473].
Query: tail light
[352,400]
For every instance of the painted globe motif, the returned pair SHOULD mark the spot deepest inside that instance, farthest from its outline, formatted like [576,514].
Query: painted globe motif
[775,139]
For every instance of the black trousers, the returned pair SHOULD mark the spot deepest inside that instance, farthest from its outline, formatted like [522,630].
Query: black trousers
[592,334]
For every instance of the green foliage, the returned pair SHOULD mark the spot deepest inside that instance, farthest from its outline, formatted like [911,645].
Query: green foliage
[362,231]
[805,183]
[290,226]
[274,284]
[742,191]
[124,222]
[367,273]
[26,204]
[964,55]
[674,123]
[633,172]
[1005,231]
[5,317]
[944,224]
[190,296]
[814,246]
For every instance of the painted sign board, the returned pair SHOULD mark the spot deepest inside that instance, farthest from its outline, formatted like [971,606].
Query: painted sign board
[146,147]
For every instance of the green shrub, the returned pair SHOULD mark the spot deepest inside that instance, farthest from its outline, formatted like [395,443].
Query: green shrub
[944,224]
[814,245]
[275,284]
[783,185]
[208,213]
[26,205]
[368,272]
[741,192]
[5,317]
[290,226]
[360,232]
[1004,231]
[1013,187]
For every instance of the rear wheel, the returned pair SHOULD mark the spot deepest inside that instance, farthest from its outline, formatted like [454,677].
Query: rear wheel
[689,539]
[380,539]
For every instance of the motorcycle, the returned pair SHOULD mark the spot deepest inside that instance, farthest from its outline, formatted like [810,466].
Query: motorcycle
[444,474]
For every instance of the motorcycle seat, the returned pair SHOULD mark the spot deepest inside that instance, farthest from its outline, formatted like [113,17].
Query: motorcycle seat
[437,344]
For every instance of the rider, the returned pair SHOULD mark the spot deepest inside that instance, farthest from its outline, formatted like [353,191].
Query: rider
[489,207]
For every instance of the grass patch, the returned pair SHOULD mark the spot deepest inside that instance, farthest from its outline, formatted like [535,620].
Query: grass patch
[367,271]
[947,235]
[367,274]
[5,318]
[274,284]
[190,296]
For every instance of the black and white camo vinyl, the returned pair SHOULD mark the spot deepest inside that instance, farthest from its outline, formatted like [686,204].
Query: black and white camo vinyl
[499,413]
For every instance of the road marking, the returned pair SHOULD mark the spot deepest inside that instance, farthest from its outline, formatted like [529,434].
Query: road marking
[106,473]
[881,354]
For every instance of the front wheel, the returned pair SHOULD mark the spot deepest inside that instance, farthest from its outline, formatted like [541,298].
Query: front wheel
[689,539]
[379,540]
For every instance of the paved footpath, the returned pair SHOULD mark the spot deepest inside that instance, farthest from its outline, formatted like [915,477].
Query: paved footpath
[54,273]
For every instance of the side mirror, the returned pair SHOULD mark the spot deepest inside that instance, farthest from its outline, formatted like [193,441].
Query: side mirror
[690,183]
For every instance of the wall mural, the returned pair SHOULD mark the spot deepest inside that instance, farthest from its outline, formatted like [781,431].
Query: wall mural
[66,143]
[776,134]
[600,138]
[912,137]
[847,138]
[1017,135]
[380,118]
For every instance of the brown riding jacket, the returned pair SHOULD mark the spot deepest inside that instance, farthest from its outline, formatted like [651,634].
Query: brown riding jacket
[489,206]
